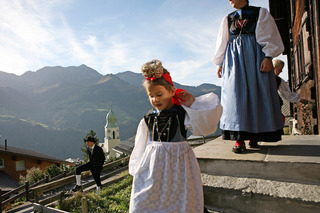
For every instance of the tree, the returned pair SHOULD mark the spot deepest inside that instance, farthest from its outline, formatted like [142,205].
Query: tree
[53,170]
[33,175]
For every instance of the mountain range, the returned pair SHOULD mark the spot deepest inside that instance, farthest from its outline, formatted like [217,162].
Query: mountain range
[52,109]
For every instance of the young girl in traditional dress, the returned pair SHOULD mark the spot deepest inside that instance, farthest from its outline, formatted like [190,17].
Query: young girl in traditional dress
[247,41]
[165,170]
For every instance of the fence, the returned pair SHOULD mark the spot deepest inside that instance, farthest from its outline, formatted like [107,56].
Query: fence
[40,208]
[37,189]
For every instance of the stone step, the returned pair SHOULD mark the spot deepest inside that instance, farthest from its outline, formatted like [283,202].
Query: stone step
[234,194]
[294,159]
[276,177]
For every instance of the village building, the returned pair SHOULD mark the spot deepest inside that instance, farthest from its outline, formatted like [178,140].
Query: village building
[125,147]
[112,137]
[15,161]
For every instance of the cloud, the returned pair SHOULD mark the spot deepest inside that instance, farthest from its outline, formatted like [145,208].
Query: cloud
[26,33]
[112,36]
[36,34]
[193,44]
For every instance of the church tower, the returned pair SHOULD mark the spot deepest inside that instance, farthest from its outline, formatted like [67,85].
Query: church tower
[111,132]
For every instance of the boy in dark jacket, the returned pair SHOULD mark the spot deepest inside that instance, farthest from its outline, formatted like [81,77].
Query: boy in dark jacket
[95,163]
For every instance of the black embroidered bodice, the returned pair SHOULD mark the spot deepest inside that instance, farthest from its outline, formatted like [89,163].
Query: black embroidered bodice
[167,125]
[245,23]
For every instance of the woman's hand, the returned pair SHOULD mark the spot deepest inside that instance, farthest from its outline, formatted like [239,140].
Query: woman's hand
[266,65]
[219,72]
[303,101]
[186,98]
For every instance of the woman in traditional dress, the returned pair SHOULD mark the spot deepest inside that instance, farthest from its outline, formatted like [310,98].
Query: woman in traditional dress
[248,39]
[165,170]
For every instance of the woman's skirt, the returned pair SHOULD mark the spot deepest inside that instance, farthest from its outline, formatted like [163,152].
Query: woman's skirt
[251,108]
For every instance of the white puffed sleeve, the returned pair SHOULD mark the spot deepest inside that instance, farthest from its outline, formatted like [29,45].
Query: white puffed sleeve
[140,144]
[285,93]
[222,41]
[267,34]
[203,115]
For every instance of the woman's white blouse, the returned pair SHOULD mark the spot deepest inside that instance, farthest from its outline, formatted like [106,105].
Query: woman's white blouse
[267,35]
[285,92]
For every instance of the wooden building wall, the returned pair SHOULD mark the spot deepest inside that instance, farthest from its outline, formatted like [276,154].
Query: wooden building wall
[315,20]
[10,165]
[302,50]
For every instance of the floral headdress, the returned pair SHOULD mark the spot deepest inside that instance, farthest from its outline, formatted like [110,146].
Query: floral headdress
[153,70]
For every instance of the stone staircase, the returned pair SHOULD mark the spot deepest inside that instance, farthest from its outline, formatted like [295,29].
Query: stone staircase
[277,177]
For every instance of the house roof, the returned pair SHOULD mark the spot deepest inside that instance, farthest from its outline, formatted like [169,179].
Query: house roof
[27,153]
[126,146]
[6,182]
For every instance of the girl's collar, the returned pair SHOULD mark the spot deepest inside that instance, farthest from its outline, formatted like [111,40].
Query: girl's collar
[173,108]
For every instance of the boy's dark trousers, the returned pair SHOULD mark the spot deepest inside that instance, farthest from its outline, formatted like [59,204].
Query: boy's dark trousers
[95,172]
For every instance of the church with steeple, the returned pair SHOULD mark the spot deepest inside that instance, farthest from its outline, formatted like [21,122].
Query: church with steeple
[111,132]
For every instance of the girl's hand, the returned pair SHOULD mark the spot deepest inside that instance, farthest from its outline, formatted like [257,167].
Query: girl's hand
[266,65]
[186,98]
[219,72]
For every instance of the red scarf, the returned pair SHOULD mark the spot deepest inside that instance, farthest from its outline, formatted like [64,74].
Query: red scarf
[175,100]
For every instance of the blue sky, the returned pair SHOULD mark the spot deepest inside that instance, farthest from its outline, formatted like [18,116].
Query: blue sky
[113,36]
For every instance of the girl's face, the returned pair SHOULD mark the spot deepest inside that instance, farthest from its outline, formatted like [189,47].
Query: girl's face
[238,4]
[160,97]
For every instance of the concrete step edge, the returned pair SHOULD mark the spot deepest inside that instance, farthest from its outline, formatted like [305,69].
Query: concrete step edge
[277,189]
[298,172]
